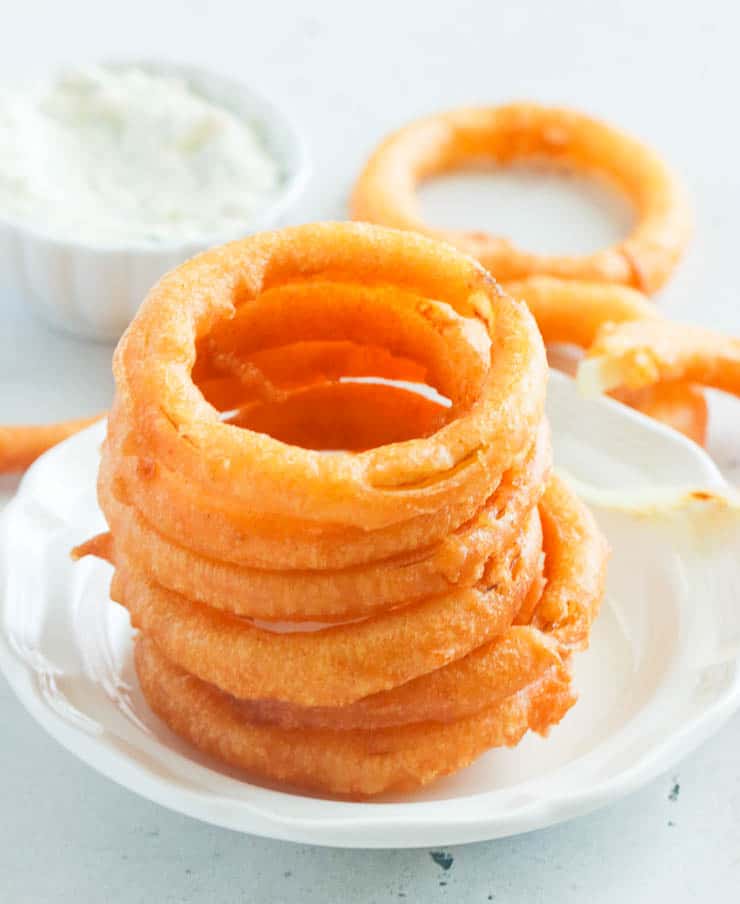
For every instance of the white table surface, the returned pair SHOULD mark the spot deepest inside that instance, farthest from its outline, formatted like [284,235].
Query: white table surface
[347,73]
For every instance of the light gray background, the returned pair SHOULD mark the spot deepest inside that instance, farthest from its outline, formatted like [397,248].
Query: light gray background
[347,73]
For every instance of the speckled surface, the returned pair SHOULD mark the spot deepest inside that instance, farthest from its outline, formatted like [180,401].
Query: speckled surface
[347,74]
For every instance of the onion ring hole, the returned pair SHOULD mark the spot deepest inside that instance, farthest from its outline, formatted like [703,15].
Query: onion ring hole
[310,381]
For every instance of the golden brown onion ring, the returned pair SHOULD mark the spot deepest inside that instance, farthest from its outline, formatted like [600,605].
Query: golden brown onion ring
[476,682]
[350,763]
[573,313]
[636,355]
[173,425]
[20,446]
[216,527]
[331,594]
[576,555]
[339,664]
[571,591]
[386,190]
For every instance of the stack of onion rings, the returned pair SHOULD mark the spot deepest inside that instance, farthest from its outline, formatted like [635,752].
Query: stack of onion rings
[340,583]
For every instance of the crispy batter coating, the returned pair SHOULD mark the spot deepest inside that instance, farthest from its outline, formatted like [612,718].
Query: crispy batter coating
[325,594]
[341,663]
[356,763]
[642,354]
[168,420]
[386,189]
[577,313]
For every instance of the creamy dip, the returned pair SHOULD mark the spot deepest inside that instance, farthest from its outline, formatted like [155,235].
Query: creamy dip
[111,155]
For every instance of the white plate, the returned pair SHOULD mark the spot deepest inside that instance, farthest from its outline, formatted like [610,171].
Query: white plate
[663,671]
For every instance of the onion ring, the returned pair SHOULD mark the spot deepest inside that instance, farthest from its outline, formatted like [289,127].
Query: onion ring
[338,664]
[213,526]
[575,313]
[568,599]
[578,555]
[297,746]
[20,446]
[371,489]
[572,312]
[636,355]
[330,595]
[385,192]
[354,764]
[476,682]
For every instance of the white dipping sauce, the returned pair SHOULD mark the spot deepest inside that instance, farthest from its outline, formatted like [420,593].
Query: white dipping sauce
[110,156]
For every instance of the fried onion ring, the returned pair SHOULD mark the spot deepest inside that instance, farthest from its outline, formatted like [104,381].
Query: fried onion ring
[466,686]
[351,763]
[334,595]
[574,313]
[216,527]
[372,489]
[567,600]
[637,355]
[577,554]
[20,446]
[386,190]
[338,664]
[403,738]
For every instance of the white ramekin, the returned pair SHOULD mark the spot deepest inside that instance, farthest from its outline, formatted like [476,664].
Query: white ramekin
[94,290]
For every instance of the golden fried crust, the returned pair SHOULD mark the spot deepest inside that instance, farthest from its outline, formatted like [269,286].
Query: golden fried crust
[351,763]
[160,414]
[642,354]
[342,663]
[456,561]
[386,189]
[581,314]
